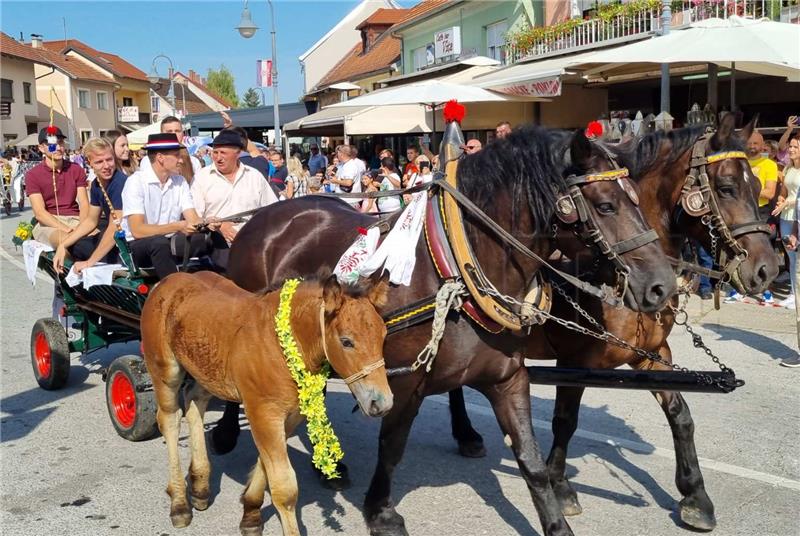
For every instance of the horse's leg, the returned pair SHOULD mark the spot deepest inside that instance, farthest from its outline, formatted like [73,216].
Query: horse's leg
[268,425]
[565,422]
[169,423]
[470,442]
[196,399]
[379,512]
[696,508]
[511,402]
[226,433]
[252,499]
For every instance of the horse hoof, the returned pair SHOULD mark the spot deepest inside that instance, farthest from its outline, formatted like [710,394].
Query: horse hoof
[257,530]
[199,503]
[223,440]
[567,499]
[697,518]
[472,449]
[387,522]
[181,520]
[336,484]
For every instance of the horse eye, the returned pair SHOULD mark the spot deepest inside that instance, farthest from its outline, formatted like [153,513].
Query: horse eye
[726,190]
[605,208]
[347,342]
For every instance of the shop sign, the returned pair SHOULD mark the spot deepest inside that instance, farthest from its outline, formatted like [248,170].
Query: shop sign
[128,114]
[447,42]
[547,87]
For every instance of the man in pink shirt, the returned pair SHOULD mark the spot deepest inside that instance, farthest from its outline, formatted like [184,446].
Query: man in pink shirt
[59,201]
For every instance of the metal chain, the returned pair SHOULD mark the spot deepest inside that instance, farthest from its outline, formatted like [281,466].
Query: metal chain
[606,336]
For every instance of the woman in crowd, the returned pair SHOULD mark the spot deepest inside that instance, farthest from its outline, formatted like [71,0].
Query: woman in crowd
[385,180]
[126,160]
[785,208]
[296,180]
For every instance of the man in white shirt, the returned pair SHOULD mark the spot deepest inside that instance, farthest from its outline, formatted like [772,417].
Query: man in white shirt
[348,174]
[153,202]
[226,188]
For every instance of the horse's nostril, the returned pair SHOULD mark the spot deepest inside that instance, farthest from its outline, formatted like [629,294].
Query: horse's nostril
[656,293]
[762,274]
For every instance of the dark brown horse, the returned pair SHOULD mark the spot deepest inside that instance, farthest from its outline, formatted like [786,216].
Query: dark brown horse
[659,163]
[515,182]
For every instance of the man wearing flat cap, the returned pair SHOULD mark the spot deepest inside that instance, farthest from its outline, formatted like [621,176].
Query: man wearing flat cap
[226,188]
[57,190]
[153,202]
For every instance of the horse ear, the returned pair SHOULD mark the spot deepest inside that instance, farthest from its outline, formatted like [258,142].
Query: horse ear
[580,148]
[379,292]
[332,295]
[727,126]
[748,129]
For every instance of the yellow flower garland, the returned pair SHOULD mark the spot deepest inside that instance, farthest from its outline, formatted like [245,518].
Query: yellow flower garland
[327,450]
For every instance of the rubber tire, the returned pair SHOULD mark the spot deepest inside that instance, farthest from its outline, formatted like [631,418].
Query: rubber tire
[58,344]
[144,425]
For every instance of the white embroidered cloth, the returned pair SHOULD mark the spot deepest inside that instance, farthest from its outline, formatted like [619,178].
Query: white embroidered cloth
[99,274]
[31,249]
[363,248]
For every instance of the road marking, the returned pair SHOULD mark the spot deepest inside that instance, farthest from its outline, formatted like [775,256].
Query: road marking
[644,448]
[19,264]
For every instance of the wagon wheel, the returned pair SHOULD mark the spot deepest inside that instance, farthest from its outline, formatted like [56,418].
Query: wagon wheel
[49,354]
[130,399]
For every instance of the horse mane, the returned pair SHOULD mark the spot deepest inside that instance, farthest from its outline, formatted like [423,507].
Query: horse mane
[522,164]
[355,291]
[644,155]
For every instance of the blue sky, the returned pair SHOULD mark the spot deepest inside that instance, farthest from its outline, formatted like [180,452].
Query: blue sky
[195,35]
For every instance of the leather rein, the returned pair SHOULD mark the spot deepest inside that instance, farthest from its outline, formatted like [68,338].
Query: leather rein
[698,199]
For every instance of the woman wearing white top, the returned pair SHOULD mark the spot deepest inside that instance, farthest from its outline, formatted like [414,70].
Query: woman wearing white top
[390,180]
[786,208]
[296,181]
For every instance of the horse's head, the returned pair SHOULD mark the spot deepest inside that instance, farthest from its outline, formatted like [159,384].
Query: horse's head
[718,207]
[600,209]
[353,334]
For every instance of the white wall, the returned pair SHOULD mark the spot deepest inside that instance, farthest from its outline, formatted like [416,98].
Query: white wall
[18,71]
[344,35]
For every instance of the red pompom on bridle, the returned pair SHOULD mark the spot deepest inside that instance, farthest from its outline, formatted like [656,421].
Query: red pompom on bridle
[594,129]
[453,111]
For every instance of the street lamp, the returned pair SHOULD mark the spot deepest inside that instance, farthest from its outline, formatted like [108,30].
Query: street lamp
[263,97]
[247,29]
[154,78]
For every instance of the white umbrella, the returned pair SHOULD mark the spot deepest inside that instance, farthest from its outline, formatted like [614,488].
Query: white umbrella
[428,92]
[755,46]
[30,139]
[139,137]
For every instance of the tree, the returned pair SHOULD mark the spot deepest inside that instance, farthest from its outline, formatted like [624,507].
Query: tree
[251,99]
[220,81]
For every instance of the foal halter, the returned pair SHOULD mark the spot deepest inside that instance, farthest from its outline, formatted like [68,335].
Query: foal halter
[361,374]
[573,209]
[697,199]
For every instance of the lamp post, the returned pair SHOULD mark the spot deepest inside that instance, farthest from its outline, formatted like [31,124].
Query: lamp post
[247,30]
[263,96]
[154,78]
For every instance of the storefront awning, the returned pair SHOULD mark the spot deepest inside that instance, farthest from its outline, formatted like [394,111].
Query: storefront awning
[535,79]
[362,120]
[131,127]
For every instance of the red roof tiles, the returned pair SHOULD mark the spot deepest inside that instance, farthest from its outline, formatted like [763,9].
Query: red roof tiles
[106,60]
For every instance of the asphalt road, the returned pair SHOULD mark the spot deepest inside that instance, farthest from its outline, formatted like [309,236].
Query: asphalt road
[64,471]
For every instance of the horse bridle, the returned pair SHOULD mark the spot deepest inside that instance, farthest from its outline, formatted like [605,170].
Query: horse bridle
[572,209]
[697,199]
[357,376]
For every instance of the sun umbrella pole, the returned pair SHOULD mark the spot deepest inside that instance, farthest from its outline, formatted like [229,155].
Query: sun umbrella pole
[733,86]
[433,134]
[666,18]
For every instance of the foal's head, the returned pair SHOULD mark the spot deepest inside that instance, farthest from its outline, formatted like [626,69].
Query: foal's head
[599,198]
[353,334]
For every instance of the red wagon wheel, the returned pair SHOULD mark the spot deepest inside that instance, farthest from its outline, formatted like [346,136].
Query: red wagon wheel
[130,399]
[49,354]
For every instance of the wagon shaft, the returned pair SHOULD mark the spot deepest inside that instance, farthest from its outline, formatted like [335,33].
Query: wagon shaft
[646,380]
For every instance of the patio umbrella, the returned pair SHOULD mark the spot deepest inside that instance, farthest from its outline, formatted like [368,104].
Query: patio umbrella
[137,138]
[755,46]
[429,92]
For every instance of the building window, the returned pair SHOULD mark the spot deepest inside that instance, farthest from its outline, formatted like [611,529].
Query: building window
[127,101]
[102,100]
[85,135]
[154,104]
[102,133]
[423,56]
[496,40]
[84,98]
[7,90]
[26,92]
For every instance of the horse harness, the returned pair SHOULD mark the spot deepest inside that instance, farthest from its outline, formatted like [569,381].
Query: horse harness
[697,199]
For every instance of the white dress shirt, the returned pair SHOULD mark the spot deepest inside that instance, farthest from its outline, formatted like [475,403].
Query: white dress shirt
[216,196]
[160,204]
[350,170]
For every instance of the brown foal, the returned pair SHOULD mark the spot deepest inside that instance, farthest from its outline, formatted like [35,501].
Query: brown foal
[224,337]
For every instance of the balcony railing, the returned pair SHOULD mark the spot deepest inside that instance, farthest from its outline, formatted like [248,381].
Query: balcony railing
[619,22]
